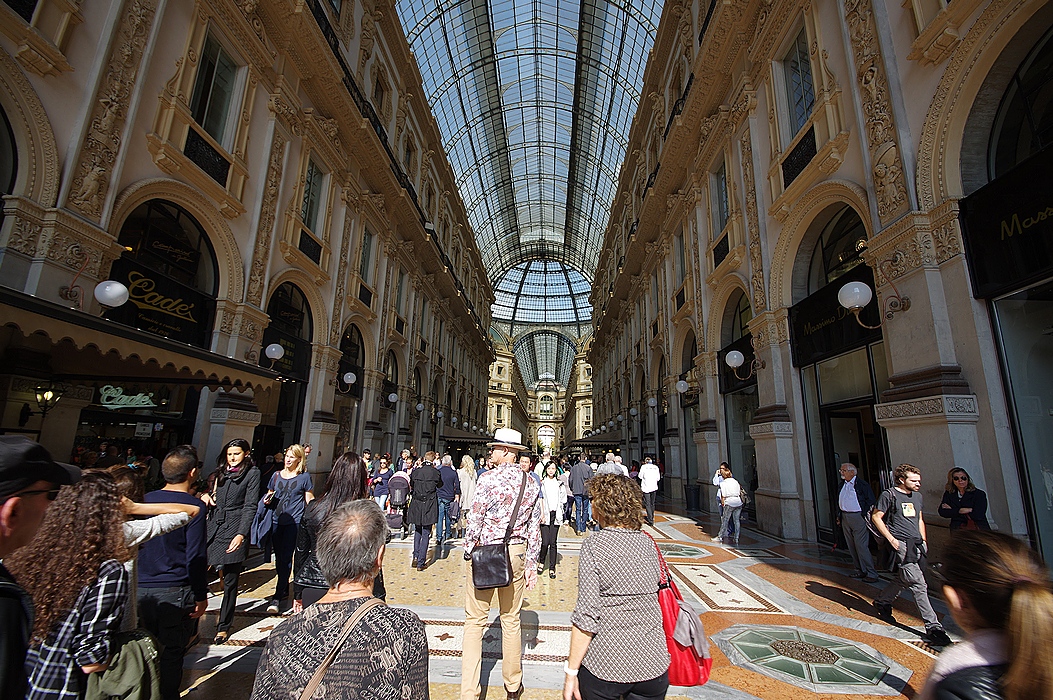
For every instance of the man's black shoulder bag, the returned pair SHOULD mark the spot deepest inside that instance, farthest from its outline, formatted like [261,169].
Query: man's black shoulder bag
[492,563]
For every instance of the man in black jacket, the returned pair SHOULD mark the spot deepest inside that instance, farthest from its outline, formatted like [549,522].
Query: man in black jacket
[855,501]
[29,482]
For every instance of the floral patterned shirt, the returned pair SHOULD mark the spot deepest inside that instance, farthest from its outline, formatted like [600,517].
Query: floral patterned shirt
[495,499]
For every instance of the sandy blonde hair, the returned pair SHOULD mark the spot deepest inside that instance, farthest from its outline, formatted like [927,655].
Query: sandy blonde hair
[301,457]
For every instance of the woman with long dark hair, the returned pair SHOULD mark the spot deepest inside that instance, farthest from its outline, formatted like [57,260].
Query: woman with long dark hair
[349,481]
[74,570]
[233,505]
[1000,594]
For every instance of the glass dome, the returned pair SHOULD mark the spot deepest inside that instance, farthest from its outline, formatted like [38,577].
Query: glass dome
[542,292]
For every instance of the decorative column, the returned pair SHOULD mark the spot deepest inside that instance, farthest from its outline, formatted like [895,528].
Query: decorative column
[233,415]
[323,425]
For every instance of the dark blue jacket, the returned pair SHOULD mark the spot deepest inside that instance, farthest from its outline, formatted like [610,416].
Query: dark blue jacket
[865,496]
[451,484]
[178,558]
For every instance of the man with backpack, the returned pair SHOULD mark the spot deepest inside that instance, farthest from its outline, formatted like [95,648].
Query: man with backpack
[898,518]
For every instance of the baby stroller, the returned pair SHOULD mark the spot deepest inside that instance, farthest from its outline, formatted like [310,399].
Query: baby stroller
[398,489]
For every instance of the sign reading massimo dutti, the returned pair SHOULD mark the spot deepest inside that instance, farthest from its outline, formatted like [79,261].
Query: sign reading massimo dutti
[820,327]
[160,305]
[1007,226]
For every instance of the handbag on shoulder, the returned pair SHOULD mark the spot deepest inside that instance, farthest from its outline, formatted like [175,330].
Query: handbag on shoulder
[492,563]
[689,659]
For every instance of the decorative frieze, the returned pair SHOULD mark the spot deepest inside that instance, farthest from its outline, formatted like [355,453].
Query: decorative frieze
[228,415]
[770,430]
[942,408]
[92,178]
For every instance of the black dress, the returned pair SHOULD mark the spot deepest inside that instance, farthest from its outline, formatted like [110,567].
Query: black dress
[423,509]
[235,507]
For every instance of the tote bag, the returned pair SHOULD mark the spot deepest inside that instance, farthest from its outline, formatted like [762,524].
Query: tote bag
[687,667]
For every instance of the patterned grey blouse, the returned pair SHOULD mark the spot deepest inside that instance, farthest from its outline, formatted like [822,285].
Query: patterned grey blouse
[618,603]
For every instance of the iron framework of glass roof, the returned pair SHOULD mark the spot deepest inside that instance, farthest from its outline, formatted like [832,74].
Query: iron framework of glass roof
[534,100]
[545,357]
[542,292]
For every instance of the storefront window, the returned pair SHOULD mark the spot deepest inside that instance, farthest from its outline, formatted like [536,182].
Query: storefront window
[291,327]
[1025,324]
[739,408]
[845,377]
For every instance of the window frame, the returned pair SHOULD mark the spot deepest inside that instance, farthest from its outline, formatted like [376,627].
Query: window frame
[237,92]
[789,115]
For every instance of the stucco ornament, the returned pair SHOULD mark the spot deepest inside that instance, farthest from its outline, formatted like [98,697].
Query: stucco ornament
[760,302]
[258,271]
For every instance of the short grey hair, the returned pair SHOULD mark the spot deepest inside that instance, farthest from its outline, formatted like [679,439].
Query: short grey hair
[350,542]
[850,467]
[447,461]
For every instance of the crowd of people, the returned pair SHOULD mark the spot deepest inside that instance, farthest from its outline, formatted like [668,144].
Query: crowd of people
[102,581]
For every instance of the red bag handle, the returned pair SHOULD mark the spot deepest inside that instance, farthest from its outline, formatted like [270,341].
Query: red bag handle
[663,568]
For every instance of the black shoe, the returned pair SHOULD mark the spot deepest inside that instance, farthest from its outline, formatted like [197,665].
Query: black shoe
[421,566]
[857,575]
[871,579]
[884,611]
[517,694]
[937,638]
[414,564]
[552,574]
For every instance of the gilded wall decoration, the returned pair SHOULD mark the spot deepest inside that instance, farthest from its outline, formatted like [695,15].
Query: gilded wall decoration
[760,302]
[879,126]
[91,181]
[258,271]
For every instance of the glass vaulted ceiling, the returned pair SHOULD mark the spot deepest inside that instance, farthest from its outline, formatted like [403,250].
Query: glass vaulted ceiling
[534,100]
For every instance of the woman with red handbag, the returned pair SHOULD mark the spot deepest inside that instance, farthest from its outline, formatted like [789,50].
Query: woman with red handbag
[619,571]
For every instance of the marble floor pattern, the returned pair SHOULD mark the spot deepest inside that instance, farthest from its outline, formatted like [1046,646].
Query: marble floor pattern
[781,617]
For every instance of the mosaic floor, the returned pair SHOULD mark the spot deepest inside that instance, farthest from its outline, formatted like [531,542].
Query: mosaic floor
[782,618]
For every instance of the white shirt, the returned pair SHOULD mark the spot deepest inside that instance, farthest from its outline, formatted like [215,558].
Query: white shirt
[847,500]
[649,478]
[731,492]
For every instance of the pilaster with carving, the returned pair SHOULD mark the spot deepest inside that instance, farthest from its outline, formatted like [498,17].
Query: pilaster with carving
[265,229]
[91,181]
[886,165]
[757,286]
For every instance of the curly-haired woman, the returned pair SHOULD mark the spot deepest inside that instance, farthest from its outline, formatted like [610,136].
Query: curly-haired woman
[617,608]
[74,570]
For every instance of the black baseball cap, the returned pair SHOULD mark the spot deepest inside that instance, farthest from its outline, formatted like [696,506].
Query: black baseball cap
[24,462]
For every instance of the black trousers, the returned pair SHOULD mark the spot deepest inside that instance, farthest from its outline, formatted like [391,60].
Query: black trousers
[549,533]
[648,501]
[231,574]
[284,541]
[593,688]
[165,613]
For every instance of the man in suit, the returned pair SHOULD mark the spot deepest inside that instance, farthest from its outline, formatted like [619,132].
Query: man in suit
[855,501]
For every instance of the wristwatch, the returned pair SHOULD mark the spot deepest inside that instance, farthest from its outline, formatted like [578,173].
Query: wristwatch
[570,671]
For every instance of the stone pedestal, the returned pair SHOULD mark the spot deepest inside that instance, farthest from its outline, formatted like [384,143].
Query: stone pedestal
[780,509]
[321,433]
[707,442]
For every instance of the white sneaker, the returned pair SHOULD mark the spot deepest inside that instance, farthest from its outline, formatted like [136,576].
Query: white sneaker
[717,540]
[273,607]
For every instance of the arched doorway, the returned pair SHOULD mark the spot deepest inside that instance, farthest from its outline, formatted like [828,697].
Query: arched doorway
[842,364]
[170,272]
[1009,248]
[389,386]
[739,392]
[349,395]
[292,327]
[689,413]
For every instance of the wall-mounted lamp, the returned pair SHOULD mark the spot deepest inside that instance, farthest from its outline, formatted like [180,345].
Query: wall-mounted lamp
[349,378]
[112,294]
[688,388]
[620,418]
[393,397]
[453,420]
[465,425]
[652,402]
[854,296]
[273,352]
[633,412]
[420,408]
[439,415]
[610,424]
[735,360]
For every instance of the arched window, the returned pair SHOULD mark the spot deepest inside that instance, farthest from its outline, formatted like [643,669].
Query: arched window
[291,327]
[740,318]
[838,250]
[546,404]
[352,359]
[170,272]
[391,368]
[1024,125]
[546,437]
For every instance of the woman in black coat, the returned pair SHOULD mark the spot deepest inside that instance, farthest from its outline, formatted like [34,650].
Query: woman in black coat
[233,500]
[423,511]
[963,503]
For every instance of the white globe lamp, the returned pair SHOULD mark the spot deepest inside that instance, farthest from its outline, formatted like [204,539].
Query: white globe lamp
[111,294]
[855,295]
[734,359]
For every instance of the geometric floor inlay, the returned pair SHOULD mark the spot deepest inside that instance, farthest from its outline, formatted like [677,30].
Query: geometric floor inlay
[756,553]
[683,551]
[818,662]
[719,591]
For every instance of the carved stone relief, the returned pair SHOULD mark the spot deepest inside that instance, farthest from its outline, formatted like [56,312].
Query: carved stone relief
[760,302]
[91,181]
[260,256]
[889,178]
[341,280]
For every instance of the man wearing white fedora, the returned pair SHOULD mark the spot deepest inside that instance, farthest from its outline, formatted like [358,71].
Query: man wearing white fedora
[496,494]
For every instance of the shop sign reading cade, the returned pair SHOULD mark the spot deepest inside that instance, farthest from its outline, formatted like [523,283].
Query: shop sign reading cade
[113,397]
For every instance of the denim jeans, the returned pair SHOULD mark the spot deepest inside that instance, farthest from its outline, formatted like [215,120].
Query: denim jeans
[443,529]
[165,613]
[382,501]
[729,522]
[582,512]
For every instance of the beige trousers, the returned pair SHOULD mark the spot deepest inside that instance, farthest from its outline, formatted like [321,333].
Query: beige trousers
[476,618]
